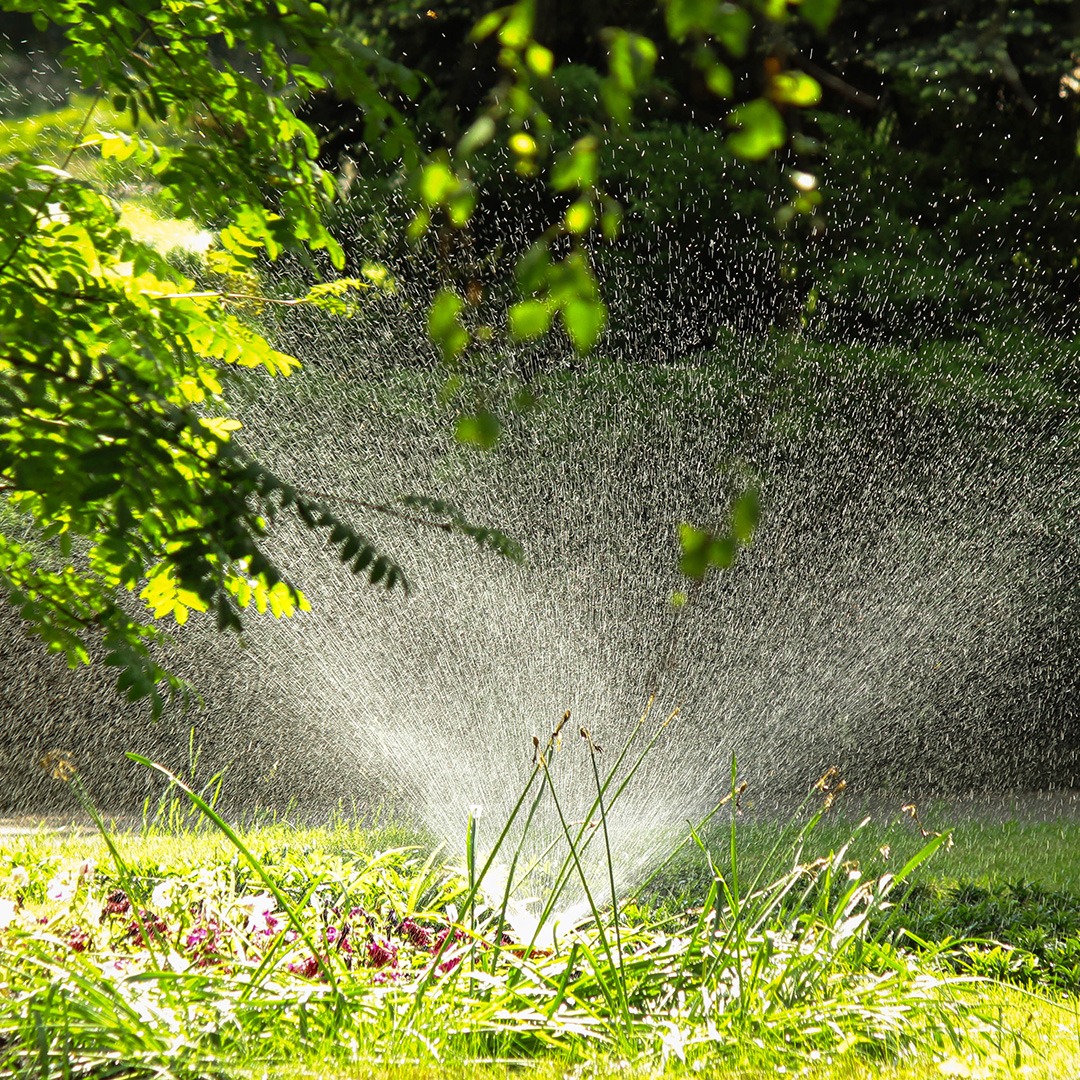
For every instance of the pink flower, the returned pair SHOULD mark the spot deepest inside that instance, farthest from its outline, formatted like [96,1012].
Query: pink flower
[340,938]
[197,937]
[449,965]
[156,927]
[382,954]
[260,912]
[454,935]
[308,967]
[116,903]
[418,935]
[78,940]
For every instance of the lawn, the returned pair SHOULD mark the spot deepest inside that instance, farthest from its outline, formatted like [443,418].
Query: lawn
[185,949]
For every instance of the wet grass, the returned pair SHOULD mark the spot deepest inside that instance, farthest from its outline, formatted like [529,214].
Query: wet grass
[340,951]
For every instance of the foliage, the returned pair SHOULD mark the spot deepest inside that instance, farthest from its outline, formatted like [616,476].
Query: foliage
[117,446]
[930,185]
[175,967]
[229,92]
[113,366]
[1020,931]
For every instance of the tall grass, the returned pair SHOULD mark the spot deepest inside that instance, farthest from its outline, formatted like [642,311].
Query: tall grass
[272,957]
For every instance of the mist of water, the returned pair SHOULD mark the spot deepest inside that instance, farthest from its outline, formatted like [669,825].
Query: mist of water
[893,605]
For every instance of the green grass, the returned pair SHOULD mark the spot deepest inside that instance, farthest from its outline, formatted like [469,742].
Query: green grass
[757,949]
[984,851]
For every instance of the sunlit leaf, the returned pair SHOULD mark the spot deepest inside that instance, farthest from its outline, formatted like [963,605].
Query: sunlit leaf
[760,130]
[584,320]
[481,429]
[795,88]
[529,319]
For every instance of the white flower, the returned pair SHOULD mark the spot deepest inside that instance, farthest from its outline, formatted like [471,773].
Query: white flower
[8,911]
[61,889]
[19,877]
[164,894]
[259,910]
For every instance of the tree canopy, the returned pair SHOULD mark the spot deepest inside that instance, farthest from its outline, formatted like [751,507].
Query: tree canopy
[119,460]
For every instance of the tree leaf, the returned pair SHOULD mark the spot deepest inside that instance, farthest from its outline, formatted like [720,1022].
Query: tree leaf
[481,429]
[529,319]
[584,320]
[819,13]
[761,130]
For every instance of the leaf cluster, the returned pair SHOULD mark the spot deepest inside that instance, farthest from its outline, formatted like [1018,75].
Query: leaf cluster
[116,443]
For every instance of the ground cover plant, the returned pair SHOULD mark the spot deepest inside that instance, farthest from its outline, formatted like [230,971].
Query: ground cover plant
[214,951]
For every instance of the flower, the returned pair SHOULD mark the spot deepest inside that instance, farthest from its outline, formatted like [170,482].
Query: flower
[197,937]
[259,909]
[116,903]
[156,927]
[308,967]
[19,877]
[418,935]
[78,939]
[382,954]
[164,894]
[8,910]
[340,938]
[60,888]
[455,935]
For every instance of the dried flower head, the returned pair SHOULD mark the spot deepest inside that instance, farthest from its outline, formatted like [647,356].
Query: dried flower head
[556,735]
[827,778]
[594,747]
[116,903]
[60,765]
[735,794]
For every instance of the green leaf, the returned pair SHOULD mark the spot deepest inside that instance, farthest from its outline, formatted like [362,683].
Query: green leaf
[444,324]
[477,136]
[539,60]
[732,28]
[487,25]
[719,80]
[631,59]
[517,24]
[745,515]
[529,319]
[579,217]
[695,550]
[481,429]
[577,167]
[794,88]
[819,13]
[584,320]
[685,17]
[437,183]
[761,130]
